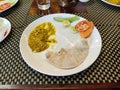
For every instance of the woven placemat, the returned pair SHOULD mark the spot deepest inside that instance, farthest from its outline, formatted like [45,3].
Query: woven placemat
[102,13]
[96,11]
[18,13]
[106,68]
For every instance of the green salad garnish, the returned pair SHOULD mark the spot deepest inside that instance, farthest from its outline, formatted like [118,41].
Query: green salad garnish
[71,19]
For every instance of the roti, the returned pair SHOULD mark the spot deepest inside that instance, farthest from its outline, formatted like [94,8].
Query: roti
[68,58]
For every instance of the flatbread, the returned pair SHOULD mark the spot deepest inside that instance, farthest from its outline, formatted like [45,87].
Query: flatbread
[68,58]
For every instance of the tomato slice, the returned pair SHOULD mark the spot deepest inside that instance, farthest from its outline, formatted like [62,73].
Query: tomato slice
[82,26]
[5,33]
[5,6]
[88,32]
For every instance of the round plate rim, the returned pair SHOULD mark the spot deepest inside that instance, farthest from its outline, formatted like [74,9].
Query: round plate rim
[9,7]
[54,73]
[9,29]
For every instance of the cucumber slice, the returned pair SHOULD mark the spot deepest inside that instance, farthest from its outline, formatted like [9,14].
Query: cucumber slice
[71,19]
[12,2]
[72,29]
[59,19]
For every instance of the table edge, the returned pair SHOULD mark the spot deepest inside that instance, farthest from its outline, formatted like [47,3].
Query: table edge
[102,86]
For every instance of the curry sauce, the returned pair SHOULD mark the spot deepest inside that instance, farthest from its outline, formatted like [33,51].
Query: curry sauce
[114,1]
[42,36]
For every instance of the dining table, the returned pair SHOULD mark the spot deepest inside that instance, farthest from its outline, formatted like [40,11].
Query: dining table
[103,74]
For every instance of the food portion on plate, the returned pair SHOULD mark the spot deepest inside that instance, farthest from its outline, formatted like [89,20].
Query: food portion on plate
[3,32]
[66,21]
[117,2]
[112,2]
[68,58]
[71,19]
[5,28]
[71,57]
[85,28]
[6,4]
[42,36]
[68,53]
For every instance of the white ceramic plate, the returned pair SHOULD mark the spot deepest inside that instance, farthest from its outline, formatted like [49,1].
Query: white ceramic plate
[13,2]
[110,3]
[5,28]
[38,61]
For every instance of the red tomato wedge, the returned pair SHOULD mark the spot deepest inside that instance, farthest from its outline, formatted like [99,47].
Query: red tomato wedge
[88,32]
[5,6]
[85,28]
[5,33]
[82,26]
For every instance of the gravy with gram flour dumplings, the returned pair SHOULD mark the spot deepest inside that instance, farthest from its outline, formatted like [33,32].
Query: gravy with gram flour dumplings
[42,36]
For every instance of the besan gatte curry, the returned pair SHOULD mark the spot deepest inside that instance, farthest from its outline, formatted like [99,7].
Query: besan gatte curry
[42,36]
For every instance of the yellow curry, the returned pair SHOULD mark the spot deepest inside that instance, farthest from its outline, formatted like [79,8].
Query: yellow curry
[114,1]
[40,37]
